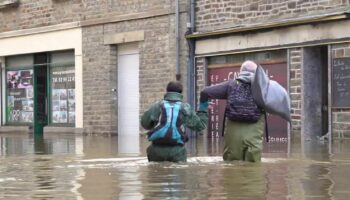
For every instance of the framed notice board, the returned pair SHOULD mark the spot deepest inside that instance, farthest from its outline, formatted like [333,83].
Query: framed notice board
[341,82]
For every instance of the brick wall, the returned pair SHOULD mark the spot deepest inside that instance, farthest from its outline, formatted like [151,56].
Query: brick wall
[295,77]
[212,15]
[341,117]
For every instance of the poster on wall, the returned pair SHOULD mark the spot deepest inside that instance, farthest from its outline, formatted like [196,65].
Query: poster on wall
[71,105]
[63,95]
[60,106]
[20,104]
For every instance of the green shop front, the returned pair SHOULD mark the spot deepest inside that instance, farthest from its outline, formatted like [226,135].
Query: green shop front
[40,90]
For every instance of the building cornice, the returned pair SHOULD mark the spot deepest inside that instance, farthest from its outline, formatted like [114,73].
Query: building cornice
[271,25]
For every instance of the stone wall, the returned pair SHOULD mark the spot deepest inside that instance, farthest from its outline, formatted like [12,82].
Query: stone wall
[98,18]
[157,68]
[39,13]
[213,15]
[341,117]
[98,69]
[201,79]
[295,78]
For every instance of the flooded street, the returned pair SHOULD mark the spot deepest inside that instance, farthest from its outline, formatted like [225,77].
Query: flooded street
[96,167]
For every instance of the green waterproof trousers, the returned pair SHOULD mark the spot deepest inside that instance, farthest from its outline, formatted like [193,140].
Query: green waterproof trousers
[158,153]
[243,141]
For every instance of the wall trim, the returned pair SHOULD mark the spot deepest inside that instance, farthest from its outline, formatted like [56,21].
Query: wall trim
[271,48]
[294,36]
[119,38]
[239,29]
[38,30]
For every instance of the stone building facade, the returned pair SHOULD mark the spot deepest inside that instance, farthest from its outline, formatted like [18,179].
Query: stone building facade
[92,35]
[307,39]
[89,42]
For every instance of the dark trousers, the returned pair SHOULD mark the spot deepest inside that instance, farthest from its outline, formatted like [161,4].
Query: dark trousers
[158,153]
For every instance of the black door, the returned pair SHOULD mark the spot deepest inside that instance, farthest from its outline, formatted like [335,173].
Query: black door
[40,93]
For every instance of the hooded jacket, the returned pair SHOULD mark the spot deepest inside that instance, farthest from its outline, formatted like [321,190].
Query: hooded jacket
[193,120]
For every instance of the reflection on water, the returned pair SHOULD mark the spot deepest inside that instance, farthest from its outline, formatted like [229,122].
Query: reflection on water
[92,167]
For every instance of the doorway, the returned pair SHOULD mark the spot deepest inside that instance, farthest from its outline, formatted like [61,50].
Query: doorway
[277,127]
[40,93]
[315,92]
[128,98]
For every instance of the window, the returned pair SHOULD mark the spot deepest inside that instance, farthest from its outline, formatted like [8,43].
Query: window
[57,72]
[19,89]
[62,79]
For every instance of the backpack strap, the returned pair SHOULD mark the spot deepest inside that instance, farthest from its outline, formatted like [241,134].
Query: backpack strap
[224,124]
[167,132]
[266,128]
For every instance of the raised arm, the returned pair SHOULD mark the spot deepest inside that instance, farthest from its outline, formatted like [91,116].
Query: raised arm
[218,91]
[196,120]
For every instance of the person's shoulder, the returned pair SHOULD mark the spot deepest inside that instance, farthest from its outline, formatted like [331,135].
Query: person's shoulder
[185,104]
[157,103]
[186,107]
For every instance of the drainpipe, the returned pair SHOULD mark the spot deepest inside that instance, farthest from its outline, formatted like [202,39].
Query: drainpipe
[190,68]
[191,50]
[177,27]
[1,85]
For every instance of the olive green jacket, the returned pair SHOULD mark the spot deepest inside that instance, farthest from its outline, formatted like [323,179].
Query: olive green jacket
[193,120]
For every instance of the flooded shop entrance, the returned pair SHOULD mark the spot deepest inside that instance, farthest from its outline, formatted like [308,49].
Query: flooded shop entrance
[222,68]
[40,93]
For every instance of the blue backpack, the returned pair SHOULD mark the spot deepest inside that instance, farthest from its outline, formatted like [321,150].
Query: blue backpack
[168,131]
[240,104]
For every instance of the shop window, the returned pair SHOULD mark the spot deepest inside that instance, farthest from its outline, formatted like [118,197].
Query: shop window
[19,89]
[62,79]
[60,87]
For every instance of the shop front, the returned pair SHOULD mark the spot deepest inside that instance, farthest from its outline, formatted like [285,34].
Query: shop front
[224,67]
[40,90]
[39,84]
[308,59]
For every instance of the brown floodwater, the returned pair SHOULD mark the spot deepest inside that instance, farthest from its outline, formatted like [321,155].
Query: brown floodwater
[97,168]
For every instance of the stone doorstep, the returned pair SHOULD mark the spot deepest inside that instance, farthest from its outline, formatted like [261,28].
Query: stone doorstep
[55,129]
[47,130]
[16,129]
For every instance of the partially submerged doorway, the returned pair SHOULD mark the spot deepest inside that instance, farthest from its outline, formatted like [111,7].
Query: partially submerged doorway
[40,93]
[222,68]
[315,92]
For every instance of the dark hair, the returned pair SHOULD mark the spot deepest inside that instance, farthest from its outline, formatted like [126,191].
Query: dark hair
[174,86]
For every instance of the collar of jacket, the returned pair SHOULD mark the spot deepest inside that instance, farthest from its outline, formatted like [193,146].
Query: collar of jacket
[173,96]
